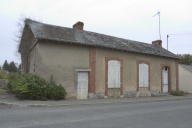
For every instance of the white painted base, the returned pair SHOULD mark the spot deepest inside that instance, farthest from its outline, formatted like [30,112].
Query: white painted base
[137,95]
[91,95]
[105,97]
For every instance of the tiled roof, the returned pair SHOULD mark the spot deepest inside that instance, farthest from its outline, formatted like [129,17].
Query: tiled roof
[187,67]
[43,31]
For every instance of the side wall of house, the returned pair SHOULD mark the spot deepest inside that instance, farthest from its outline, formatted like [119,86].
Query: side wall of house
[26,49]
[129,63]
[32,60]
[60,61]
[185,80]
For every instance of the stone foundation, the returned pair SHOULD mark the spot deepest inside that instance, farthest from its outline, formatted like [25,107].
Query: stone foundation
[114,92]
[158,93]
[143,94]
[99,95]
[130,94]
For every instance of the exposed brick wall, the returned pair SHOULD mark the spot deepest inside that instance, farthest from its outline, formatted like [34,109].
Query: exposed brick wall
[157,43]
[177,74]
[106,74]
[92,62]
[169,77]
[142,62]
[79,25]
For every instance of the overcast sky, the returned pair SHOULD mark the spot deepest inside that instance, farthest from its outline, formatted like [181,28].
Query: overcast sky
[129,19]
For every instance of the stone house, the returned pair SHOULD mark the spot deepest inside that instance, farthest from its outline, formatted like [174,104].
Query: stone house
[185,78]
[93,65]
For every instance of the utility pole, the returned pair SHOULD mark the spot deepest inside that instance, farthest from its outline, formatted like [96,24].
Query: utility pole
[167,41]
[175,35]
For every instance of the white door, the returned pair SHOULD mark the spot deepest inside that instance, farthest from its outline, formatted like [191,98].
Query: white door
[165,79]
[143,75]
[82,85]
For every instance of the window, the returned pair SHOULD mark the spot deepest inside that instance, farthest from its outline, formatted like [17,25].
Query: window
[165,76]
[114,74]
[143,75]
[165,68]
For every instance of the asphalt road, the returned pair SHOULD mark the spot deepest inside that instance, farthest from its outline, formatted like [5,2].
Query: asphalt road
[158,114]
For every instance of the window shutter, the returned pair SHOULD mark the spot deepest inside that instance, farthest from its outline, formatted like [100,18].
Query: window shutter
[114,74]
[110,75]
[143,75]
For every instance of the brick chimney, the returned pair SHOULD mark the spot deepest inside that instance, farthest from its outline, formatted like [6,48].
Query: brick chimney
[79,25]
[157,43]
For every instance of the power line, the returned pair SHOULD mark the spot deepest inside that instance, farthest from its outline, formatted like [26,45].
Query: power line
[180,34]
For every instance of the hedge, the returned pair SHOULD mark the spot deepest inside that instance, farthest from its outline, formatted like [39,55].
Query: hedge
[33,87]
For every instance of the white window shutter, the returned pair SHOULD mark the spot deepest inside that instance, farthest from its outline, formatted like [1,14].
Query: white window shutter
[110,75]
[114,74]
[143,75]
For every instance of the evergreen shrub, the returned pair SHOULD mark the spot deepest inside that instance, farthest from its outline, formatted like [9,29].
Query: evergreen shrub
[33,87]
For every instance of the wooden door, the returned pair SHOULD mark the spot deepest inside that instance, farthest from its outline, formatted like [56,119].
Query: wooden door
[165,79]
[82,85]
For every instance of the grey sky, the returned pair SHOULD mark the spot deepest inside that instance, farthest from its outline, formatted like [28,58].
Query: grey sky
[129,19]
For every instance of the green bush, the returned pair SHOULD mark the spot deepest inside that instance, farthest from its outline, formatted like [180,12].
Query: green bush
[177,93]
[56,92]
[33,87]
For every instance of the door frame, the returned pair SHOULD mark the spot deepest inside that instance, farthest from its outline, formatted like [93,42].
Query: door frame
[106,74]
[137,69]
[169,77]
[81,70]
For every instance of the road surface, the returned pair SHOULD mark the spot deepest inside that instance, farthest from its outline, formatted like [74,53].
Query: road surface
[155,114]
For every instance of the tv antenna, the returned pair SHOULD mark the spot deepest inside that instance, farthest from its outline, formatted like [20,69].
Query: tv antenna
[158,13]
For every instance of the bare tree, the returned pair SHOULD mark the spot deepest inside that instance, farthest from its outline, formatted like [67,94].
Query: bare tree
[18,33]
[23,39]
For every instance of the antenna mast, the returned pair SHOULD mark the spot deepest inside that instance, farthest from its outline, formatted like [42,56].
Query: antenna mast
[158,13]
